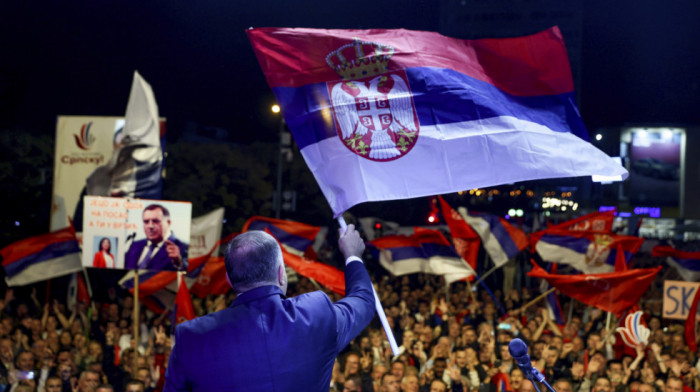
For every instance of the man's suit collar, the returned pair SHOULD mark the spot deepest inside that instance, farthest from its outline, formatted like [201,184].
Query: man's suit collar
[256,294]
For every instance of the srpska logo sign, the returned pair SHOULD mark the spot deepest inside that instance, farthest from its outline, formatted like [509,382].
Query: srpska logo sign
[678,296]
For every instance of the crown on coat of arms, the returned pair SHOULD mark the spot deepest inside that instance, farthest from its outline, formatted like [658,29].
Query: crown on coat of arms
[360,59]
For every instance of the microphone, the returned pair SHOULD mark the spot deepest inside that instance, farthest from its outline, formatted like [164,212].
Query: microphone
[518,350]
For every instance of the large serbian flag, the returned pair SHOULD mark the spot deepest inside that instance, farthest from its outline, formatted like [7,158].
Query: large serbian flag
[394,114]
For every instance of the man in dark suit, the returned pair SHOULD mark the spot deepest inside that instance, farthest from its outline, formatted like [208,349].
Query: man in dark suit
[160,250]
[265,341]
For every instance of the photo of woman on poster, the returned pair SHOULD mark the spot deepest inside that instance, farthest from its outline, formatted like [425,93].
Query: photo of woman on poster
[103,257]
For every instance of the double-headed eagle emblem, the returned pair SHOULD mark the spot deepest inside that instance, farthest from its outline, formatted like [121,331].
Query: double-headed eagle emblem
[373,107]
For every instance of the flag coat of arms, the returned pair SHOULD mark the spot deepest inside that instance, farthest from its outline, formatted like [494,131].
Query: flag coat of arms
[587,252]
[395,114]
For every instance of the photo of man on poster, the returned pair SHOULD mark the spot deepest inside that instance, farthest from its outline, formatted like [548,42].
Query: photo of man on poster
[160,250]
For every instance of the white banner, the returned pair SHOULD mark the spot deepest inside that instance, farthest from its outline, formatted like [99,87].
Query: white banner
[205,231]
[82,144]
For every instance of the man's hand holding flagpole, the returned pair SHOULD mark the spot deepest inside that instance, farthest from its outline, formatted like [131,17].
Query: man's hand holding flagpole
[378,304]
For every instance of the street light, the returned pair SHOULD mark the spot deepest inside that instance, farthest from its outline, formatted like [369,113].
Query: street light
[284,150]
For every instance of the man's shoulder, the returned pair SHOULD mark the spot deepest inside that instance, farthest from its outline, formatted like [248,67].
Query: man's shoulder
[137,245]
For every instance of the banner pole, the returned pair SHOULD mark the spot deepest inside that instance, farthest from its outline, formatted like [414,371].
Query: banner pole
[135,321]
[377,305]
[537,299]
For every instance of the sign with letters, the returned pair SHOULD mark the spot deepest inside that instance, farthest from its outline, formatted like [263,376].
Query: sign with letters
[128,233]
[678,296]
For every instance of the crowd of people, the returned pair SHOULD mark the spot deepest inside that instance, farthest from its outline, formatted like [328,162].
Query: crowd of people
[449,338]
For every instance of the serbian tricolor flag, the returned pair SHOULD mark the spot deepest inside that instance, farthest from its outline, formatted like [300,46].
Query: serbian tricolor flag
[42,257]
[587,252]
[686,263]
[295,237]
[425,251]
[612,292]
[464,238]
[502,241]
[394,114]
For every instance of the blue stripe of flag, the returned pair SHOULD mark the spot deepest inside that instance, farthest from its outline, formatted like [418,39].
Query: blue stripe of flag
[577,244]
[501,234]
[295,241]
[441,96]
[690,264]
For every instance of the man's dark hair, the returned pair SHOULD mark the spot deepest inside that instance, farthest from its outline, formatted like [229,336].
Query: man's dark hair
[252,257]
[152,207]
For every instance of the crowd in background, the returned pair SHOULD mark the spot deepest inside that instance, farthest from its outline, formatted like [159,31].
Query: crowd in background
[449,338]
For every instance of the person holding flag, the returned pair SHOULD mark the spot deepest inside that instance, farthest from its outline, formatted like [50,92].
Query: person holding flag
[265,341]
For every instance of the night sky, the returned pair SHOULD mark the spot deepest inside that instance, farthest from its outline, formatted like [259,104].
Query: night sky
[640,59]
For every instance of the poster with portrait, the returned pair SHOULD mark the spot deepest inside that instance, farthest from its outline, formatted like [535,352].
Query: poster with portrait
[125,233]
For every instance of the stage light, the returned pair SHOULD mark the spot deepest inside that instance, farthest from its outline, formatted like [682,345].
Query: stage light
[275,108]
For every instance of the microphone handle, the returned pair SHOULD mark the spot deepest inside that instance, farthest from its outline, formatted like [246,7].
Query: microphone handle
[539,377]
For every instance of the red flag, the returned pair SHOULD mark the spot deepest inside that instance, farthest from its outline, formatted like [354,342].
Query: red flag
[211,279]
[690,338]
[595,222]
[613,292]
[324,274]
[620,260]
[82,295]
[183,304]
[464,238]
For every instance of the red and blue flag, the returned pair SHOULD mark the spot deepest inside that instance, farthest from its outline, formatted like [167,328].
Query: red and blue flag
[42,257]
[587,252]
[502,241]
[686,263]
[296,237]
[394,114]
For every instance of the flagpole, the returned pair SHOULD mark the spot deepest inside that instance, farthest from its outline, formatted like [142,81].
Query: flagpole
[489,272]
[537,299]
[135,320]
[377,305]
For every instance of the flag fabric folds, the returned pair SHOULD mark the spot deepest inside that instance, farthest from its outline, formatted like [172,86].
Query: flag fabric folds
[585,251]
[502,241]
[296,237]
[425,251]
[134,169]
[466,241]
[595,222]
[612,292]
[326,275]
[690,323]
[42,257]
[211,279]
[395,114]
[686,263]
